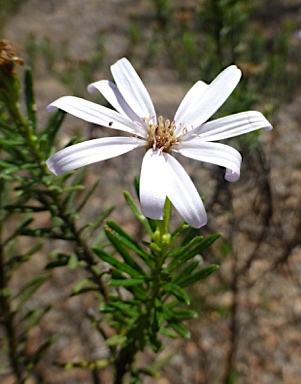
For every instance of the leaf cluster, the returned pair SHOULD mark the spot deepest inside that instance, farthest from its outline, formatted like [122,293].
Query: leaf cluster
[28,193]
[148,281]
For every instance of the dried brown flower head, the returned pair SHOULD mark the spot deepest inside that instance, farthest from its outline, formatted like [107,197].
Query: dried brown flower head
[8,56]
[9,81]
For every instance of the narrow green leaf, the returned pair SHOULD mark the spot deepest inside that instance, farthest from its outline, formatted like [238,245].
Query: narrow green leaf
[186,271]
[155,368]
[126,309]
[199,275]
[168,333]
[99,221]
[152,223]
[116,263]
[30,186]
[73,190]
[3,176]
[116,340]
[28,290]
[180,328]
[87,196]
[138,292]
[11,142]
[31,319]
[4,164]
[137,212]
[190,234]
[166,276]
[232,377]
[178,252]
[174,323]
[155,343]
[153,246]
[60,260]
[121,249]
[42,350]
[54,123]
[91,365]
[111,224]
[83,286]
[7,127]
[73,261]
[130,243]
[49,233]
[179,231]
[30,99]
[166,215]
[16,261]
[137,186]
[177,291]
[197,245]
[19,230]
[12,168]
[184,314]
[125,282]
[24,208]
[146,257]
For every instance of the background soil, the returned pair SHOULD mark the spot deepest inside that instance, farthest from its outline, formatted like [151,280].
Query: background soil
[255,324]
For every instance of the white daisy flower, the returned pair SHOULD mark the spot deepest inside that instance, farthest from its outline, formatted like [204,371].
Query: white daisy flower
[189,133]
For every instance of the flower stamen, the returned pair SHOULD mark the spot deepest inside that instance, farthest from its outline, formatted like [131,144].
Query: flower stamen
[162,135]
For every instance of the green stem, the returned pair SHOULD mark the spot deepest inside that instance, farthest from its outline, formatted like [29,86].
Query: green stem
[82,248]
[56,206]
[28,135]
[127,354]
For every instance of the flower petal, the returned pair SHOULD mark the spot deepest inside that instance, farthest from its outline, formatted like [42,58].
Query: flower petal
[211,99]
[215,153]
[233,125]
[111,92]
[93,113]
[132,89]
[191,98]
[90,152]
[153,185]
[183,194]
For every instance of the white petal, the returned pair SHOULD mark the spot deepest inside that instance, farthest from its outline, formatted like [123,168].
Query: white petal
[93,113]
[183,194]
[215,153]
[212,98]
[132,89]
[191,99]
[111,92]
[153,185]
[233,125]
[90,152]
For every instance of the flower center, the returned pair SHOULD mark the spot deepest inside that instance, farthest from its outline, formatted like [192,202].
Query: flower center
[162,135]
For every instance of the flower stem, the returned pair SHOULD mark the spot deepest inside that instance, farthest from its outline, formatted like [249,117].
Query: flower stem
[143,325]
[55,206]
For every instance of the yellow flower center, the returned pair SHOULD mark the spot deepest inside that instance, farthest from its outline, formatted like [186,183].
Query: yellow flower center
[162,135]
